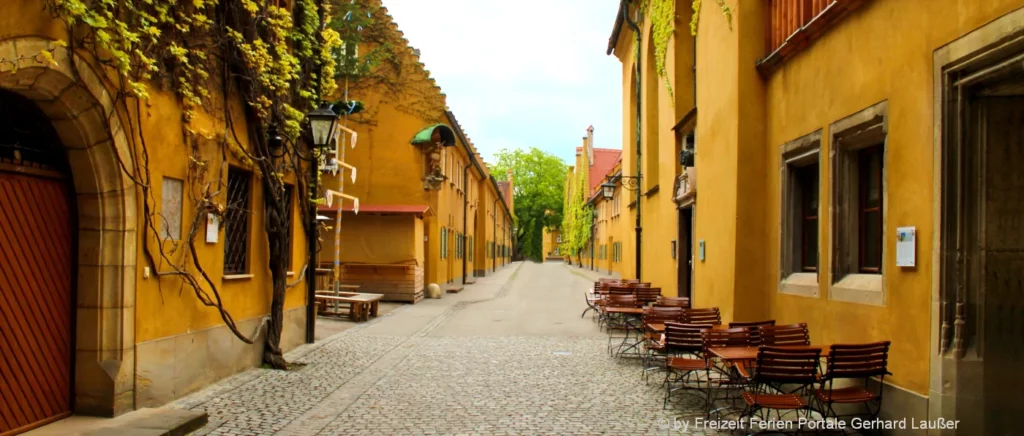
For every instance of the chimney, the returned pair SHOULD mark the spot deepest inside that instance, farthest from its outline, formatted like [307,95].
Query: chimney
[590,144]
[510,185]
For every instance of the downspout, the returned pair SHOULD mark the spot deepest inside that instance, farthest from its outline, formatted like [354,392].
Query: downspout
[639,126]
[494,232]
[465,210]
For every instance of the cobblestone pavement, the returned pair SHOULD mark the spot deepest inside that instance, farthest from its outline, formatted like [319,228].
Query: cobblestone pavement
[509,355]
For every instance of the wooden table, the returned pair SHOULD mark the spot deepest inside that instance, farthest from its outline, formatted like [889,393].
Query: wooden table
[659,327]
[625,310]
[734,354]
[361,306]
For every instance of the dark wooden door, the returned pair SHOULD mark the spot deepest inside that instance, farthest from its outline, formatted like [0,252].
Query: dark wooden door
[685,252]
[36,333]
[1002,260]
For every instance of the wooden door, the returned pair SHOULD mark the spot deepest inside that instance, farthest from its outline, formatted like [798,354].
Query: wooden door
[685,252]
[1002,261]
[36,302]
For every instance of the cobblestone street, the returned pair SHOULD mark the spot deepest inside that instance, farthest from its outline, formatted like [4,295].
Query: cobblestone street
[508,355]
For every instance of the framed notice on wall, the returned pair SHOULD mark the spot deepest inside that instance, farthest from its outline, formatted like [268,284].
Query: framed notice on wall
[905,240]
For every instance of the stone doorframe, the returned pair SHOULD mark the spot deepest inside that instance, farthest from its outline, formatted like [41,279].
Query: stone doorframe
[84,116]
[956,375]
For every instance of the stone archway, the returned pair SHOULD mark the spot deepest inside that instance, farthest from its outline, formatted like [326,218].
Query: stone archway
[78,106]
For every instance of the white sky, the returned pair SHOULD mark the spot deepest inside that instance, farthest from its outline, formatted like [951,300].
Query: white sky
[521,73]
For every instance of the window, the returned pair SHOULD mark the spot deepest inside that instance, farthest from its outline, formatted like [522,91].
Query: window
[236,222]
[859,204]
[869,179]
[287,255]
[170,209]
[471,250]
[807,181]
[444,242]
[800,211]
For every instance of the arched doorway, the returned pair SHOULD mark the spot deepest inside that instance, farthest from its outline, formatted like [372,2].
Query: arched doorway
[80,110]
[37,244]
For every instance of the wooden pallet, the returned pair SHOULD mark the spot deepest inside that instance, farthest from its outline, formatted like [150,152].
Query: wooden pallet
[398,282]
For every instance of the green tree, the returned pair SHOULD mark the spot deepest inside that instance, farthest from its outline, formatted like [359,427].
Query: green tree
[538,194]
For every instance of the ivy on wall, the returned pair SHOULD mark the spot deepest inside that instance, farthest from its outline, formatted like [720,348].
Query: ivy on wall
[695,19]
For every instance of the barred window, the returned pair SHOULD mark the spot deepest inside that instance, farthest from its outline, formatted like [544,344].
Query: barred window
[236,222]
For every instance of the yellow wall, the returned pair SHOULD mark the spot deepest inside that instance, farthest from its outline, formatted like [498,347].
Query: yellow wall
[163,308]
[660,112]
[745,118]
[377,238]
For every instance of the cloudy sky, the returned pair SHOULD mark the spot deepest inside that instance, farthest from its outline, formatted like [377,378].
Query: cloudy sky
[521,73]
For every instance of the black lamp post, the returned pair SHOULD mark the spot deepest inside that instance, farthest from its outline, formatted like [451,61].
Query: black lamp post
[630,183]
[323,126]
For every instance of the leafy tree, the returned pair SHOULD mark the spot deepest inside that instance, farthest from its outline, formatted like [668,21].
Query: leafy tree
[538,194]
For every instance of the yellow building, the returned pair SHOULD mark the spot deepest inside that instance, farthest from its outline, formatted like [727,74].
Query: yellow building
[856,172]
[100,199]
[550,242]
[593,166]
[427,211]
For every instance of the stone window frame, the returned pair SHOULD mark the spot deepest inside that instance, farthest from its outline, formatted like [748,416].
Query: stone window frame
[800,152]
[866,128]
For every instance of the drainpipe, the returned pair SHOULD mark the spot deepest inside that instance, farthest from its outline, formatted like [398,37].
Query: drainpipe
[465,209]
[494,248]
[639,125]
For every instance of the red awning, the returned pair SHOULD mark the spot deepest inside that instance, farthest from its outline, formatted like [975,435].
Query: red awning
[417,209]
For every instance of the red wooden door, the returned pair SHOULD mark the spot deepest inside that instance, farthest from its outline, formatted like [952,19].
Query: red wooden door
[35,301]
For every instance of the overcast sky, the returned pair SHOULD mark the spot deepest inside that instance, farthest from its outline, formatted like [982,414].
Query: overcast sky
[521,73]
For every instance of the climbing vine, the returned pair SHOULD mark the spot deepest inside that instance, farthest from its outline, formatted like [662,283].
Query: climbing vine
[663,25]
[277,61]
[577,221]
[695,19]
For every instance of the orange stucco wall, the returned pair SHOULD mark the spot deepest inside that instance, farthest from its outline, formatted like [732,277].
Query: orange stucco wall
[743,120]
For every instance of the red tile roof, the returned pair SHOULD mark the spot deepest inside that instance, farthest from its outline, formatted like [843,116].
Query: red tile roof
[604,160]
[379,208]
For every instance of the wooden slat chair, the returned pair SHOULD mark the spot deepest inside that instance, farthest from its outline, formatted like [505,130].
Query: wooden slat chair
[709,315]
[858,362]
[726,375]
[791,334]
[617,323]
[653,346]
[755,328]
[673,302]
[685,357]
[777,366]
[647,296]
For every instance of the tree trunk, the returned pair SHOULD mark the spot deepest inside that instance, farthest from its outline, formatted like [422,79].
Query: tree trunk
[275,208]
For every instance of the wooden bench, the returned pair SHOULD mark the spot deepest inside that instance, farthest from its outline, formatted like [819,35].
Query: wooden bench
[361,306]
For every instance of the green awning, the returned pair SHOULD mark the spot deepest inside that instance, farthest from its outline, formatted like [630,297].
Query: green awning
[446,135]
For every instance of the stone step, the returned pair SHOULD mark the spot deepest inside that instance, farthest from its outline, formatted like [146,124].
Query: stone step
[153,422]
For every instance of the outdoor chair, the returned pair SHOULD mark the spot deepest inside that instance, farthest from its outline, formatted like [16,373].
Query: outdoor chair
[755,328]
[618,323]
[673,302]
[709,315]
[856,362]
[652,344]
[646,296]
[726,375]
[777,366]
[779,335]
[684,357]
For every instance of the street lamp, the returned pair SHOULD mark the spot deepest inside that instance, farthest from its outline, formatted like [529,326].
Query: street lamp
[631,183]
[323,126]
[323,123]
